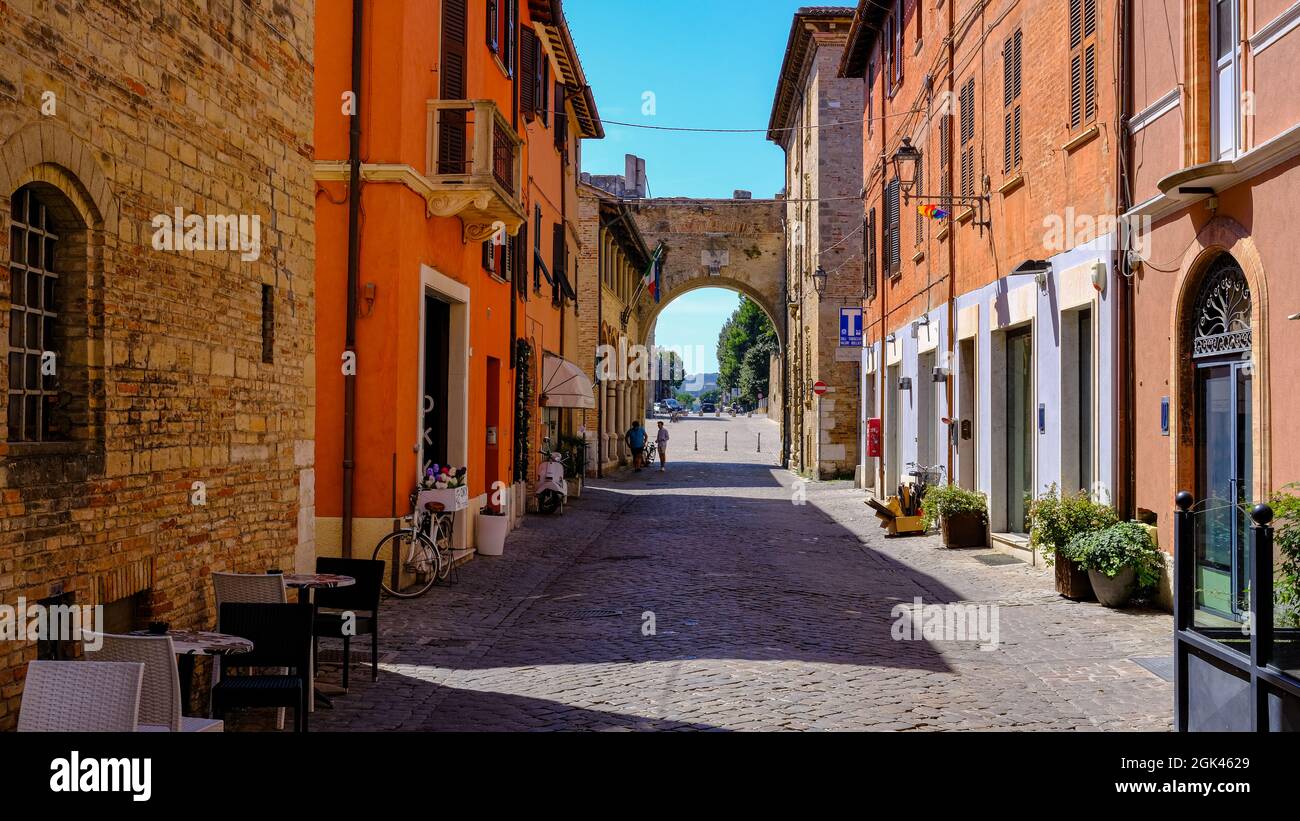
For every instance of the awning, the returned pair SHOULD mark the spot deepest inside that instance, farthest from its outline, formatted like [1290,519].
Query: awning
[564,385]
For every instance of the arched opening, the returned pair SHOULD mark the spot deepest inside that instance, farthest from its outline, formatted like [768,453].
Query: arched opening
[1217,447]
[47,389]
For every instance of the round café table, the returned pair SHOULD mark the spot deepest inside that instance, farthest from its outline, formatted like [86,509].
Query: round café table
[191,643]
[305,583]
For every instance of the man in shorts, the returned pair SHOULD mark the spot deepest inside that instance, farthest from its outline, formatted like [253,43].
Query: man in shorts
[661,441]
[635,438]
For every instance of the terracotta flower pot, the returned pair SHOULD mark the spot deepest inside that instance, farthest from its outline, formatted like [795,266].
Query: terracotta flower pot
[1113,591]
[963,530]
[1071,580]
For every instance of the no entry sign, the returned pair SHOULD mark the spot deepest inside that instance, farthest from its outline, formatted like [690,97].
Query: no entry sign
[819,387]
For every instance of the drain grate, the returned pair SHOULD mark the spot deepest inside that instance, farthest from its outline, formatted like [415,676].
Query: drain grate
[586,613]
[997,559]
[1161,666]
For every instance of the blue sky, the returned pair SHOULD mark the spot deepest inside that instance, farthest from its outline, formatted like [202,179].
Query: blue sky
[709,64]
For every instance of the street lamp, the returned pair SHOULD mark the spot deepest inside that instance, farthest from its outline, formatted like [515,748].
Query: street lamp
[906,159]
[819,280]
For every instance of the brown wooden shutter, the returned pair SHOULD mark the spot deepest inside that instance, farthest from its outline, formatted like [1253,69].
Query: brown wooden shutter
[869,254]
[527,72]
[521,260]
[493,26]
[557,263]
[945,154]
[893,254]
[561,119]
[1083,62]
[967,153]
[920,190]
[1011,73]
[451,123]
[489,257]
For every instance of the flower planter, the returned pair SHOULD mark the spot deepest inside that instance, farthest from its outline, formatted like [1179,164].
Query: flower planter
[575,487]
[492,532]
[963,530]
[1071,580]
[1113,591]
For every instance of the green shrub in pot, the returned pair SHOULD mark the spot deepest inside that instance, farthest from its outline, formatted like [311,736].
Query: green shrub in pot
[947,501]
[1286,540]
[1056,518]
[1115,558]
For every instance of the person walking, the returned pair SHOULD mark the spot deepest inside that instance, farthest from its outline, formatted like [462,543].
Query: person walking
[661,441]
[635,438]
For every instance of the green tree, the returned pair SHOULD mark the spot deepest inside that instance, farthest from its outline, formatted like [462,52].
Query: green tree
[672,371]
[711,396]
[745,343]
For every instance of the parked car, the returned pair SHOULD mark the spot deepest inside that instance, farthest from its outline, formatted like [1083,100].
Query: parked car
[659,407]
[707,407]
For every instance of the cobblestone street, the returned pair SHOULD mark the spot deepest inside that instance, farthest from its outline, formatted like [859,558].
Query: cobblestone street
[768,615]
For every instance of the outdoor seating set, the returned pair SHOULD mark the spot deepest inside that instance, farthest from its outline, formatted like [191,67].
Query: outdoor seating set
[264,653]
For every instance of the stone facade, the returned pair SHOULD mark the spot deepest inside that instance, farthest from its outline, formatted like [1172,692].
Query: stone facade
[816,119]
[611,262]
[171,367]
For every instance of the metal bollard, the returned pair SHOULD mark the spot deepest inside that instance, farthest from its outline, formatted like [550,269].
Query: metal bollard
[697,440]
[760,444]
[724,439]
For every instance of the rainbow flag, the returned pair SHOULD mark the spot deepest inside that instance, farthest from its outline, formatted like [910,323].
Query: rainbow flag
[934,212]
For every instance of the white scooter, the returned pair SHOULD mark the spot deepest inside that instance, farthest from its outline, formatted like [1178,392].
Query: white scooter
[551,490]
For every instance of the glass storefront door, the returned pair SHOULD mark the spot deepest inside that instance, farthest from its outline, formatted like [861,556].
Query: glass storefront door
[1223,475]
[1020,427]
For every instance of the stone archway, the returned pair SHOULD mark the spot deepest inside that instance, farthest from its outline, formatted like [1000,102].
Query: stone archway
[734,244]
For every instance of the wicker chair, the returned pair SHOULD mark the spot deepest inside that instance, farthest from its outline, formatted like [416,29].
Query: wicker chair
[80,697]
[248,588]
[281,636]
[160,692]
[360,599]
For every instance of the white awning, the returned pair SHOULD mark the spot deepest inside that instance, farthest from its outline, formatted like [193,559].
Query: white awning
[564,385]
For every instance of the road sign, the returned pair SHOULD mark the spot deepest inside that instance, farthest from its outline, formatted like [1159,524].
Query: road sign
[820,387]
[850,327]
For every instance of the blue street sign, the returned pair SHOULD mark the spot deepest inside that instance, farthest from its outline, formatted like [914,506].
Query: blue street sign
[850,327]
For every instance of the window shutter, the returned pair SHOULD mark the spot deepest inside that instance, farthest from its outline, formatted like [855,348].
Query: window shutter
[508,47]
[1083,62]
[558,262]
[561,119]
[537,248]
[1011,71]
[898,43]
[521,260]
[493,24]
[920,190]
[967,153]
[528,72]
[543,86]
[945,154]
[451,123]
[869,254]
[893,260]
[489,256]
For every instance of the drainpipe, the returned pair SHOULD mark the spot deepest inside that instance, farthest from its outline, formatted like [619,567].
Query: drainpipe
[354,268]
[1125,488]
[952,274]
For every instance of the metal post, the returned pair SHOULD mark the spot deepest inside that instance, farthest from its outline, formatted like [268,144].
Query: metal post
[760,443]
[1184,598]
[724,440]
[1261,610]
[697,440]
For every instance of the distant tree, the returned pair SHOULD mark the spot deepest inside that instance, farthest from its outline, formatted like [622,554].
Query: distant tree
[685,399]
[711,396]
[672,371]
[747,329]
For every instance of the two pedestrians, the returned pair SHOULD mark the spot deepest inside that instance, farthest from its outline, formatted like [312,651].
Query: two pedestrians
[636,441]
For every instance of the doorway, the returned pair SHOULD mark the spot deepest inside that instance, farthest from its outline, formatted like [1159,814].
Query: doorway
[1019,428]
[492,462]
[1078,403]
[966,409]
[893,430]
[437,351]
[1223,477]
[925,410]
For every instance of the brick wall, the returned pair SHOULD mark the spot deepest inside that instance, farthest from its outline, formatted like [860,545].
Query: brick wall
[117,113]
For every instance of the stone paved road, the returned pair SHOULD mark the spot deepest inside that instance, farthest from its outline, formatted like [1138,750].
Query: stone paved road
[768,615]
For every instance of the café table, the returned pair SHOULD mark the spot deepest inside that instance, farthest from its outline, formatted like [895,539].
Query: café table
[191,643]
[305,584]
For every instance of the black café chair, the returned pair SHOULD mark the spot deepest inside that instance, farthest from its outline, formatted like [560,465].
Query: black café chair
[281,636]
[360,599]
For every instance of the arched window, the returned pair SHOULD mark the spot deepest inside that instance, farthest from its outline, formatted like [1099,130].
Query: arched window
[45,392]
[1222,318]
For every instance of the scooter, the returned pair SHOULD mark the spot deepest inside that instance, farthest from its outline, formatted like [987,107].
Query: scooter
[551,490]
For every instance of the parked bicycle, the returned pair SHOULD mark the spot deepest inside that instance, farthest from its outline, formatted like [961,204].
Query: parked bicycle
[420,549]
[924,478]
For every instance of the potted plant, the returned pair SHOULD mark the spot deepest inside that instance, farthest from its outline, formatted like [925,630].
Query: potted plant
[1286,583]
[962,514]
[1118,559]
[493,525]
[1054,520]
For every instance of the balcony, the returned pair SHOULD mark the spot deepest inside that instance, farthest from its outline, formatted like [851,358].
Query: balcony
[473,167]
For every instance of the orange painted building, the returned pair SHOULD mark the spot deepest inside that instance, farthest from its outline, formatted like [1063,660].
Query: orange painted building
[433,106]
